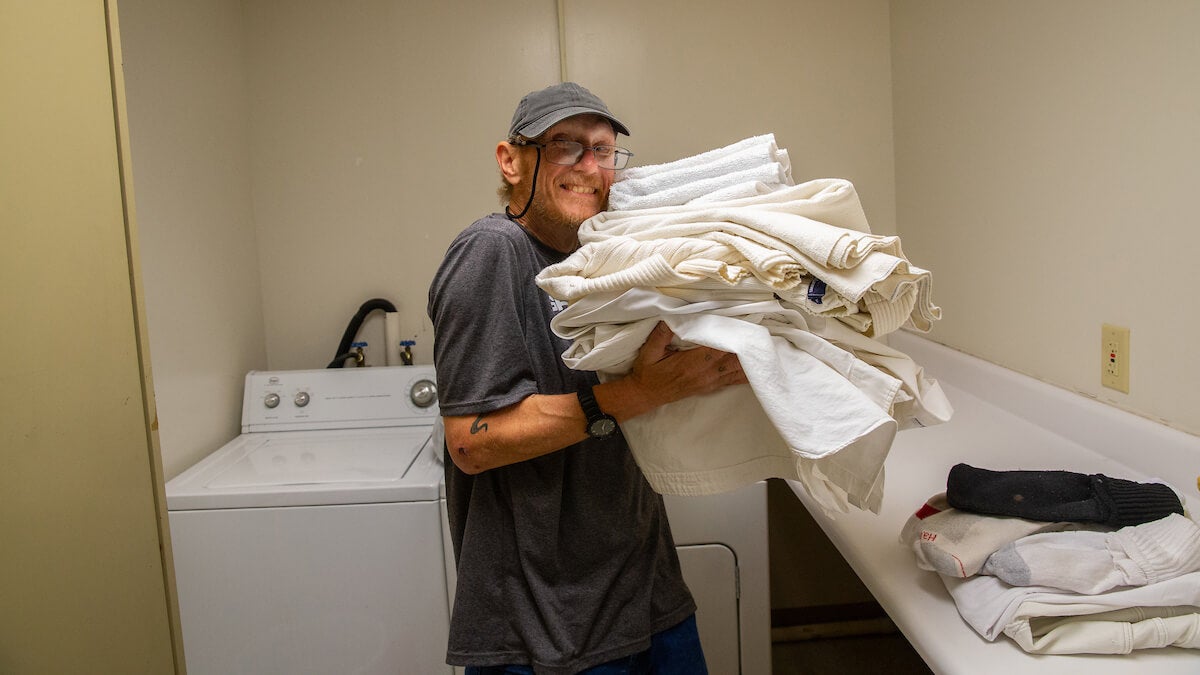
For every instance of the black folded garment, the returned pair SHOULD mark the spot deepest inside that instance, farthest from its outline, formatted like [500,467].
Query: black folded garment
[1059,496]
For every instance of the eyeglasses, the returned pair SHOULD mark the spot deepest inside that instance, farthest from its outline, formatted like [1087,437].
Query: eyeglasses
[568,153]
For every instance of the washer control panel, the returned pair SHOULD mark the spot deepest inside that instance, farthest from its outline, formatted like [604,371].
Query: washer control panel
[339,398]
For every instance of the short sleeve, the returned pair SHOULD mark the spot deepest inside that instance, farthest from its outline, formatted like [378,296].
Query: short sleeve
[477,306]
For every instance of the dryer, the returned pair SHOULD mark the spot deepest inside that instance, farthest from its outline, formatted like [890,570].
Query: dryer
[722,544]
[312,542]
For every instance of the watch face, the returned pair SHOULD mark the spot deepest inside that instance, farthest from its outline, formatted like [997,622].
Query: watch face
[602,427]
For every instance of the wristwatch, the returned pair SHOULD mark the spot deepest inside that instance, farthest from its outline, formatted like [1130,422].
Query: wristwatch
[599,424]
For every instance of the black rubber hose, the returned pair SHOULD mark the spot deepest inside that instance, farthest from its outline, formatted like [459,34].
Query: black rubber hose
[341,359]
[355,324]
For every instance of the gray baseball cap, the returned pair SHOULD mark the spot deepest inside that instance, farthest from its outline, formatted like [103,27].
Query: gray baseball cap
[542,109]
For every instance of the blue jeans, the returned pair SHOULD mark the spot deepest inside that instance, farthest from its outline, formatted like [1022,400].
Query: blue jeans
[675,651]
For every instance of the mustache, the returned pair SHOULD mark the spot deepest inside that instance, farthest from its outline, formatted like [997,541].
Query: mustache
[582,180]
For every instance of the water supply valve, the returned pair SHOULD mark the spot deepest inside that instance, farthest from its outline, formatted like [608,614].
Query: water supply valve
[360,358]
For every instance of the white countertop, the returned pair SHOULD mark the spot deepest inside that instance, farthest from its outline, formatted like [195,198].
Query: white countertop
[987,435]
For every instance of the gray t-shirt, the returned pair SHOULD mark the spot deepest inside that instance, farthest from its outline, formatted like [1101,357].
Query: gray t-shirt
[564,561]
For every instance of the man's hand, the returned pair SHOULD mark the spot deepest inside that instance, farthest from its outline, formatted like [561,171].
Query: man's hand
[662,374]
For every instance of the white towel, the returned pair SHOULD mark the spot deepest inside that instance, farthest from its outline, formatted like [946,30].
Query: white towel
[643,181]
[1046,620]
[670,193]
[710,157]
[752,188]
[745,168]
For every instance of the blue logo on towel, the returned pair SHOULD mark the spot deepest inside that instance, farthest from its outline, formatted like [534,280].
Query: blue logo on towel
[816,291]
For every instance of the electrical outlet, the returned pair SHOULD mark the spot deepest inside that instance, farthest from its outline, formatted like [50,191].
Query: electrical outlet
[1114,357]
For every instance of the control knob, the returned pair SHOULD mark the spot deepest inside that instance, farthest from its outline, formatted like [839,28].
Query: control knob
[423,393]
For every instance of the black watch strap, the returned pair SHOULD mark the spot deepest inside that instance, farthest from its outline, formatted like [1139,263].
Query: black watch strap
[599,425]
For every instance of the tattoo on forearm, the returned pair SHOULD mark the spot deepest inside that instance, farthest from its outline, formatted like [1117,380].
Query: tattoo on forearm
[478,425]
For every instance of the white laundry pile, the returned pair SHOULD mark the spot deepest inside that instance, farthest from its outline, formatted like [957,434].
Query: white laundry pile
[1063,587]
[792,281]
[809,244]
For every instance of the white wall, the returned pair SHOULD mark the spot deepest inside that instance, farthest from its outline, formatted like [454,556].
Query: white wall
[1046,171]
[189,134]
[691,75]
[374,125]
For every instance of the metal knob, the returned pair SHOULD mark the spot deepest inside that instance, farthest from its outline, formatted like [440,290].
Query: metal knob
[271,400]
[423,393]
[301,399]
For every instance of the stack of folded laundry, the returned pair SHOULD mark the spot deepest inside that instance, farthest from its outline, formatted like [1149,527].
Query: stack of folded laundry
[1063,562]
[730,255]
[749,167]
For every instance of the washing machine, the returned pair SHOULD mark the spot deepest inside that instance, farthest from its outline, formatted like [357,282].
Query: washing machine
[312,542]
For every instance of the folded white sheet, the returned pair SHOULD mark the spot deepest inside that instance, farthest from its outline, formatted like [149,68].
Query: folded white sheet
[624,263]
[1046,620]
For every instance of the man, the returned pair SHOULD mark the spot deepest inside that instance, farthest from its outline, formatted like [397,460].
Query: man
[565,558]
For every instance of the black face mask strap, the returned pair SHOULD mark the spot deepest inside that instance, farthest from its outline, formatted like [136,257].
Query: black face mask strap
[532,188]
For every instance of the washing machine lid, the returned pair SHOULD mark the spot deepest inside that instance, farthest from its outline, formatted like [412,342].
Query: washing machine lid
[310,468]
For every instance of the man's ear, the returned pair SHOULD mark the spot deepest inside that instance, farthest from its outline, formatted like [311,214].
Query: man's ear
[510,164]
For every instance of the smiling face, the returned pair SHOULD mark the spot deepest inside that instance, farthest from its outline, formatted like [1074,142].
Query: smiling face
[566,195]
